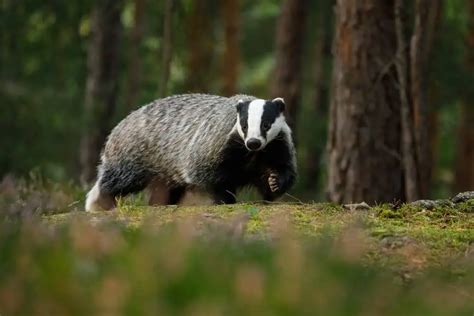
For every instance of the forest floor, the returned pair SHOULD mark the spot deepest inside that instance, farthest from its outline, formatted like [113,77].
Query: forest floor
[238,259]
[414,236]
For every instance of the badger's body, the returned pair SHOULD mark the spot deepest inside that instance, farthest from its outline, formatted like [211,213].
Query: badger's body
[190,142]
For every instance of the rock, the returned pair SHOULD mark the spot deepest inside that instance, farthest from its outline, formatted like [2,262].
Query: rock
[431,204]
[463,197]
[357,207]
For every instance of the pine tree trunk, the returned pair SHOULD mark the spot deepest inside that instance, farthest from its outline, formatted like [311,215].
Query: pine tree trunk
[200,47]
[364,130]
[409,156]
[102,83]
[134,69]
[167,48]
[465,152]
[231,57]
[427,13]
[289,50]
[322,51]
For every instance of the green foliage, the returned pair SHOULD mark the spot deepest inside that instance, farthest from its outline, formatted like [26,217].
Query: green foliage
[42,75]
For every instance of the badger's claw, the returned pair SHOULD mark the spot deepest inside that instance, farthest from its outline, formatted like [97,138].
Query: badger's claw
[273,182]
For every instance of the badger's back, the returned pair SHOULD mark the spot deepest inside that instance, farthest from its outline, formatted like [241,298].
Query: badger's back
[178,138]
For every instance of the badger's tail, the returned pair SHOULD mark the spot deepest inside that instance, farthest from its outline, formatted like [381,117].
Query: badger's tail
[93,198]
[97,200]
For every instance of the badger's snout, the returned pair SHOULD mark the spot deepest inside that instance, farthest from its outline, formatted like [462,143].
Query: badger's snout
[253,144]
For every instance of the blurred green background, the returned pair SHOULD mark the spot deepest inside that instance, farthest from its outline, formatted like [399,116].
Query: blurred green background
[43,56]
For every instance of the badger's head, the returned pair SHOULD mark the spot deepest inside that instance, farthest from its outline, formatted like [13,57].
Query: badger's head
[260,121]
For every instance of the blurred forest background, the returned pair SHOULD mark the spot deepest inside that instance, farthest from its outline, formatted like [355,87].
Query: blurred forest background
[380,93]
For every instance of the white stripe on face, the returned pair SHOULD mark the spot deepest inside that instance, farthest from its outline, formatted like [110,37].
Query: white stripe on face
[276,128]
[255,112]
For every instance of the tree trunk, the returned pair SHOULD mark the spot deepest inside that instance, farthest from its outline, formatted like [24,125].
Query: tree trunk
[231,58]
[289,50]
[465,152]
[167,48]
[102,83]
[134,69]
[427,13]
[364,129]
[200,47]
[322,51]
[409,157]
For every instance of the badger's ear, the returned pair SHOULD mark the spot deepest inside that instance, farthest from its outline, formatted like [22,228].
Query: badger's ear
[280,103]
[239,105]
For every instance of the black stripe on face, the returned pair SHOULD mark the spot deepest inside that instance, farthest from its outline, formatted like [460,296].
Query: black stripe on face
[270,113]
[243,110]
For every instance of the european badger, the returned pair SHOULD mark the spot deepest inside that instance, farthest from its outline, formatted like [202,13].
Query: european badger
[210,143]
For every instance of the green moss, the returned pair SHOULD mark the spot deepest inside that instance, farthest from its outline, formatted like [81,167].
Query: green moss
[388,213]
[444,231]
[466,207]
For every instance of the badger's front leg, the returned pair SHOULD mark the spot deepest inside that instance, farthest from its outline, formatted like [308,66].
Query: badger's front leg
[275,182]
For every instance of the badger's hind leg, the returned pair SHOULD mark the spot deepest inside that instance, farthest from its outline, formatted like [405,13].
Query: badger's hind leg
[97,200]
[158,192]
[161,194]
[118,180]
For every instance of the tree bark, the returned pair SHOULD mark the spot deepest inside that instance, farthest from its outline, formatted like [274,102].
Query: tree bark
[200,47]
[134,69]
[167,48]
[464,180]
[364,130]
[102,83]
[409,157]
[427,14]
[289,50]
[231,57]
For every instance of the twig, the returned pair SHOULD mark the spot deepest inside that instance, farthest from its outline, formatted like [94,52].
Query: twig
[298,201]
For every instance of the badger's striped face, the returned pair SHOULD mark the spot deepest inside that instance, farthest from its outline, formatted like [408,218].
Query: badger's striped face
[260,121]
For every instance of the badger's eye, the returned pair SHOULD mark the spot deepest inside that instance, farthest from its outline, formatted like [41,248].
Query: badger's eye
[266,126]
[244,127]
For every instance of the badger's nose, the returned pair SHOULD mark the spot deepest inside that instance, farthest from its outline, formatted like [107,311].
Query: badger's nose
[253,144]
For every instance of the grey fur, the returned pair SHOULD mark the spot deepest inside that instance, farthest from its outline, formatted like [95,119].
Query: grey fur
[177,137]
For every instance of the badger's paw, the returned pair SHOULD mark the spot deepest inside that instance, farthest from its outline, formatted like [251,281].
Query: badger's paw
[273,182]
